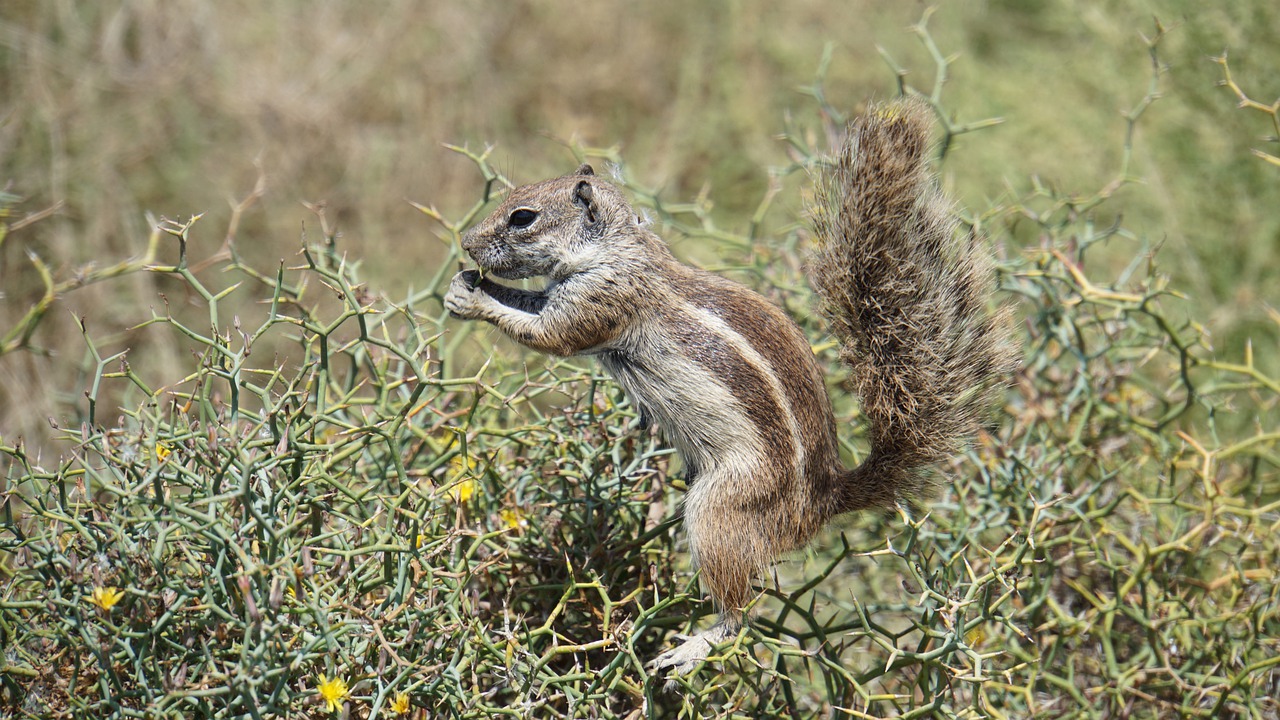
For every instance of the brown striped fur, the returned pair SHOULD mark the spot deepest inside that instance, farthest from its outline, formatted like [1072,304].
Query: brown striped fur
[729,378]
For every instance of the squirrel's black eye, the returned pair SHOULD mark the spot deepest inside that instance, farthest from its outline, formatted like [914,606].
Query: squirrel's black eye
[522,218]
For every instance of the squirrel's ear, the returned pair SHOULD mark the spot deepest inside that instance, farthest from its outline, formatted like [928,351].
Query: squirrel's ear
[585,169]
[585,196]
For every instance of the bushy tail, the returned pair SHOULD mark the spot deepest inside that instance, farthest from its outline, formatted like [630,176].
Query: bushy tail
[908,300]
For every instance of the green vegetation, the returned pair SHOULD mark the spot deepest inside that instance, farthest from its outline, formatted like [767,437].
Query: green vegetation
[292,489]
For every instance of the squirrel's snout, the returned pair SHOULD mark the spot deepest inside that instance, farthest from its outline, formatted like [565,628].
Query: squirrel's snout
[470,241]
[483,251]
[473,244]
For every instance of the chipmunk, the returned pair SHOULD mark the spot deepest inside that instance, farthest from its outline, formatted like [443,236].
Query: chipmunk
[730,379]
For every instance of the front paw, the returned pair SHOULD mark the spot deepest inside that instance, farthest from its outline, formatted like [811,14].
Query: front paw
[465,299]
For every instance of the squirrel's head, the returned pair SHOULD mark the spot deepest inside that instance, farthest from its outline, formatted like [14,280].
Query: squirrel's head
[556,228]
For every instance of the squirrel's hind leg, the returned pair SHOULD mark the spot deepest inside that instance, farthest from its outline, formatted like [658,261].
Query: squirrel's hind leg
[682,659]
[729,545]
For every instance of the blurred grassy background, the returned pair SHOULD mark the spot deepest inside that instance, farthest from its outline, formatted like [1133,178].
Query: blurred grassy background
[113,110]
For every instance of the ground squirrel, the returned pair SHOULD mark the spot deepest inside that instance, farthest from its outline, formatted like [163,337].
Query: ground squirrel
[729,378]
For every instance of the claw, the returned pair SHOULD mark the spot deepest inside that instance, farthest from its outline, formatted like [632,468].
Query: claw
[686,657]
[683,658]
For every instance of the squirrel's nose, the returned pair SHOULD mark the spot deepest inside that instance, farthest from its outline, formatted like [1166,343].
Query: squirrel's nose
[469,240]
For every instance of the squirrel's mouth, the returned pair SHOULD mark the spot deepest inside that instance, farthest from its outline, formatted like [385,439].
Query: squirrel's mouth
[491,263]
[490,269]
[505,273]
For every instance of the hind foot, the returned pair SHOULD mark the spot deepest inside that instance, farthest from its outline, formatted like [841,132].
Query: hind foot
[682,660]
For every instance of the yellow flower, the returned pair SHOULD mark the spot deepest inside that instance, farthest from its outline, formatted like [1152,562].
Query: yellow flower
[975,637]
[163,451]
[887,112]
[400,705]
[461,477]
[512,518]
[988,451]
[333,691]
[463,490]
[106,597]
[461,465]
